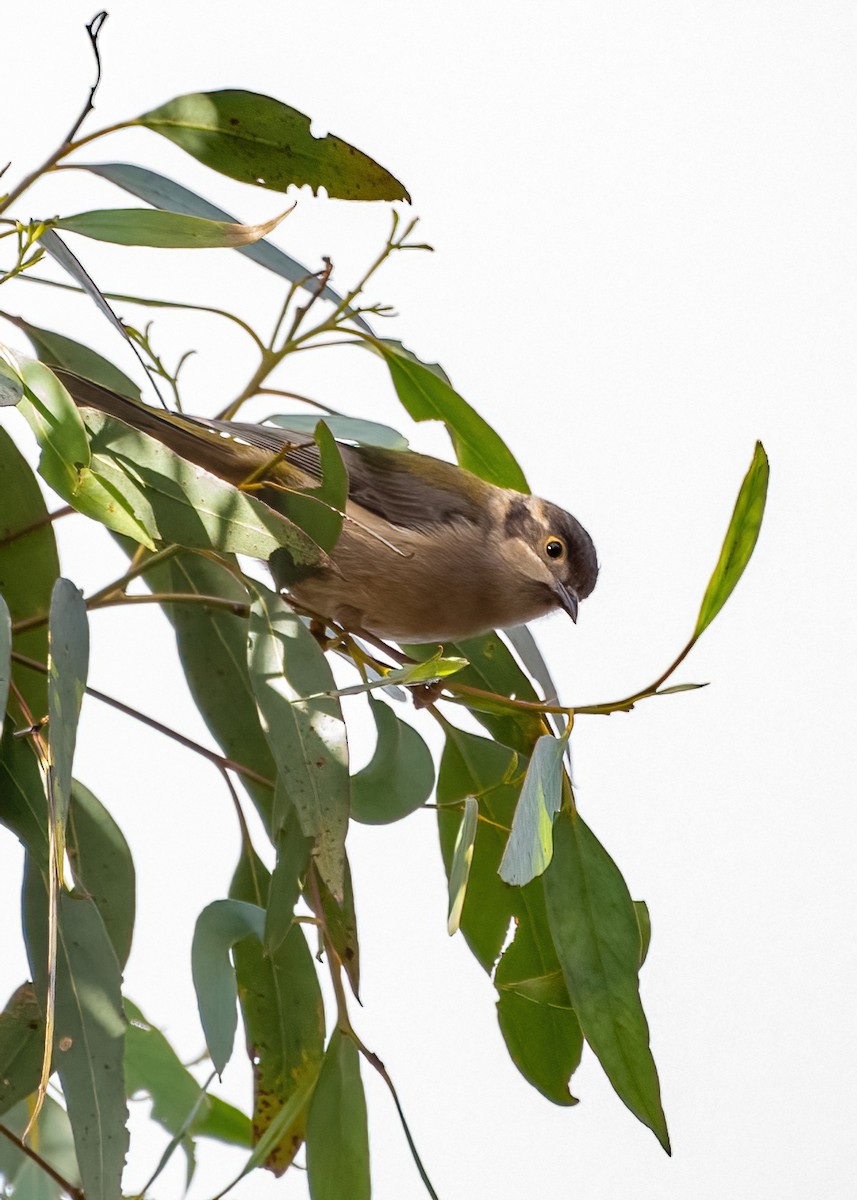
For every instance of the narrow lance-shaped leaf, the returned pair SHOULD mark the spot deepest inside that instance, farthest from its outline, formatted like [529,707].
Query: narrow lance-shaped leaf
[597,937]
[740,540]
[257,139]
[530,844]
[68,663]
[164,230]
[102,866]
[427,396]
[462,856]
[344,429]
[56,350]
[306,736]
[337,1133]
[218,927]
[161,192]
[60,252]
[432,669]
[5,658]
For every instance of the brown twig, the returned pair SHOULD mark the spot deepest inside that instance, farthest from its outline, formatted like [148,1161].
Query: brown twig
[93,29]
[40,523]
[76,1193]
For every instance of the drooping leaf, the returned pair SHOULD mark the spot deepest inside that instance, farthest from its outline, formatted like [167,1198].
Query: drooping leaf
[400,776]
[462,857]
[68,664]
[341,921]
[284,1022]
[55,1142]
[530,844]
[256,139]
[306,737]
[60,252]
[152,1066]
[56,350]
[337,1134]
[218,927]
[164,230]
[539,1025]
[23,803]
[212,645]
[29,566]
[102,866]
[597,937]
[165,193]
[431,669]
[294,850]
[740,540]
[345,429]
[22,1037]
[90,1029]
[428,397]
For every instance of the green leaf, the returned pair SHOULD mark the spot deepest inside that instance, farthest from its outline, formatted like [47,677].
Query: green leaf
[137,486]
[29,566]
[306,737]
[165,193]
[212,645]
[164,230]
[22,1038]
[53,1137]
[474,766]
[337,1134]
[102,866]
[318,510]
[218,927]
[400,776]
[56,350]
[68,663]
[530,844]
[60,252]
[90,1029]
[5,657]
[645,923]
[528,652]
[54,419]
[341,920]
[293,858]
[428,671]
[256,139]
[152,1066]
[23,803]
[740,540]
[539,1025]
[597,938]
[345,429]
[462,857]
[284,1022]
[427,397]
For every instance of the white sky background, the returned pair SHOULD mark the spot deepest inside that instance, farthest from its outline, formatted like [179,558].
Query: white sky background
[644,224]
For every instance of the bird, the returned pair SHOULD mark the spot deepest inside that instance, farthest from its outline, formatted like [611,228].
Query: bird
[429,551]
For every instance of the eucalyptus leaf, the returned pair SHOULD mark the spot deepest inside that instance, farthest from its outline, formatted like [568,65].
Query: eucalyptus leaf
[56,350]
[740,540]
[53,1136]
[428,397]
[163,230]
[60,252]
[597,936]
[68,663]
[429,670]
[161,192]
[337,1133]
[306,736]
[257,139]
[218,927]
[530,844]
[22,1039]
[89,1032]
[462,856]
[5,658]
[102,866]
[345,429]
[399,778]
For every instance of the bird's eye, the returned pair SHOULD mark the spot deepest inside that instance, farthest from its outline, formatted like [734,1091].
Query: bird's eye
[554,548]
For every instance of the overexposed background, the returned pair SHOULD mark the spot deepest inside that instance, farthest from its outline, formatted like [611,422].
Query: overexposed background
[645,257]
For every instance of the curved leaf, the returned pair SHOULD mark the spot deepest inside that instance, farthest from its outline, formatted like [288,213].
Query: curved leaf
[344,429]
[740,540]
[257,139]
[597,938]
[462,857]
[306,737]
[163,230]
[218,927]
[530,844]
[337,1133]
[428,397]
[400,777]
[165,193]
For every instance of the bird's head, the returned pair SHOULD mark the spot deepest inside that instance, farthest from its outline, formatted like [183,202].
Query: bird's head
[549,552]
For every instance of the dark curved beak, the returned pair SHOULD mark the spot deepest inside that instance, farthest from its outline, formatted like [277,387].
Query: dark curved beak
[568,599]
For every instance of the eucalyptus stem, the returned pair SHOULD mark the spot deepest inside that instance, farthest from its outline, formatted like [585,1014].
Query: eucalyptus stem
[75,1193]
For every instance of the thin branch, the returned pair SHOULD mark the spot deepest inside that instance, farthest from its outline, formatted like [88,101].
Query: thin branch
[93,29]
[219,760]
[75,1192]
[47,519]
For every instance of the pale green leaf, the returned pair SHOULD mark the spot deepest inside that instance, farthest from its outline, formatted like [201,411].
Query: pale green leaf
[218,927]
[164,230]
[462,856]
[530,844]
